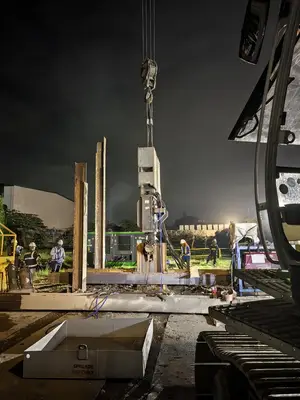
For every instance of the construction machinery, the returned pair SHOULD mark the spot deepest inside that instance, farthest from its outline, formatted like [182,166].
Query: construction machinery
[7,240]
[151,209]
[258,356]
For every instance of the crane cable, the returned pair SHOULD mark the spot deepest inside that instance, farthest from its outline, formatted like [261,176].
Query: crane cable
[149,66]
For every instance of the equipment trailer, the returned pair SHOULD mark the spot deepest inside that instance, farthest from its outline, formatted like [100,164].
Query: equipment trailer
[258,356]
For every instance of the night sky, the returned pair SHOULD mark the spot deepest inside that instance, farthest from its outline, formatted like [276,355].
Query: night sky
[70,74]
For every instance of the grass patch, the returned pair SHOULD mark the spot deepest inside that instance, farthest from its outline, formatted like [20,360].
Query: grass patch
[45,258]
[222,263]
[120,264]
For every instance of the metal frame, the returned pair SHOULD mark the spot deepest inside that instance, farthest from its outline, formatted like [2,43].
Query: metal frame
[269,281]
[112,248]
[237,265]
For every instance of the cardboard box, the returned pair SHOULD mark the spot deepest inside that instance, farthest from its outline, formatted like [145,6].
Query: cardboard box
[92,349]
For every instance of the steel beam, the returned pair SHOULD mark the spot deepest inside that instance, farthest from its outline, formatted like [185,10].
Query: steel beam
[100,204]
[136,278]
[80,228]
[177,304]
[155,278]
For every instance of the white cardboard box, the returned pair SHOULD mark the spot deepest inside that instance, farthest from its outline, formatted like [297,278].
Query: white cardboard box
[110,348]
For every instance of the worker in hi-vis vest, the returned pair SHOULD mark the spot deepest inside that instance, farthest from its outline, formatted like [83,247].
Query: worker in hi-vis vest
[185,252]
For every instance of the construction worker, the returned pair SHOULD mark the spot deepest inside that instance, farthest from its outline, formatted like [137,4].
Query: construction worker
[18,252]
[58,256]
[31,260]
[185,252]
[213,252]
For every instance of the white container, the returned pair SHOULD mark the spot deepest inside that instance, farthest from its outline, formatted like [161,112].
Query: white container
[92,349]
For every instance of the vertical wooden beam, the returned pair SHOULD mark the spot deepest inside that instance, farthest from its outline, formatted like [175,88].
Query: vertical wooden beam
[80,228]
[100,204]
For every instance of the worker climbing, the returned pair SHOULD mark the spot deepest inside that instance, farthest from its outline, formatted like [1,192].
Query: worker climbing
[149,66]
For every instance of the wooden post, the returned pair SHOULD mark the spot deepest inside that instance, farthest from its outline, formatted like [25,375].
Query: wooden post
[100,205]
[80,228]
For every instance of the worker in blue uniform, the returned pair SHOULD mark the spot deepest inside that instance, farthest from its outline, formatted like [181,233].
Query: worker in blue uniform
[185,252]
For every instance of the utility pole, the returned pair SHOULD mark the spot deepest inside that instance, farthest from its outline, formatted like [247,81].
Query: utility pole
[100,205]
[80,228]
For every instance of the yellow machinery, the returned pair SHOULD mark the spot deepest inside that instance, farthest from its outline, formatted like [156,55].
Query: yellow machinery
[6,238]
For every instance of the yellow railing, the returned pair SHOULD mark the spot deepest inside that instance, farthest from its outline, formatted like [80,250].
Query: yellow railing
[6,235]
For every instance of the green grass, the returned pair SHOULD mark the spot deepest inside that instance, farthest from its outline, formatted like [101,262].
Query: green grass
[120,264]
[45,257]
[222,263]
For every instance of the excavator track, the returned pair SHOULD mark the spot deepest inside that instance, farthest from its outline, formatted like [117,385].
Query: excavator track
[269,373]
[273,322]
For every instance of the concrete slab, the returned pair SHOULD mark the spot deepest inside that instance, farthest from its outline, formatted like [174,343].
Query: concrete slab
[187,304]
[175,365]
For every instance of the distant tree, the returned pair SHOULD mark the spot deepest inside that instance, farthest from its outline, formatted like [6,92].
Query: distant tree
[2,212]
[28,227]
[67,238]
[112,227]
[91,226]
[194,239]
[129,226]
[223,238]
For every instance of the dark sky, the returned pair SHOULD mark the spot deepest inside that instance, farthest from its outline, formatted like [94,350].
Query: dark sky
[70,75]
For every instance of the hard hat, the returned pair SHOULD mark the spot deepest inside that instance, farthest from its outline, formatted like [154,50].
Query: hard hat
[182,241]
[32,244]
[60,242]
[14,241]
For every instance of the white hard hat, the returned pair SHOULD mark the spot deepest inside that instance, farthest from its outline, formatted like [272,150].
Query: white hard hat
[32,244]
[182,241]
[60,242]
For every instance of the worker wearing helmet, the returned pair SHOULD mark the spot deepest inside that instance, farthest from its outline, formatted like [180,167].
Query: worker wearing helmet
[57,256]
[31,260]
[185,252]
[18,251]
[213,252]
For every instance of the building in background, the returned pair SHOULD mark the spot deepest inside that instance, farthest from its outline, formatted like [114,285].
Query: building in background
[56,211]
